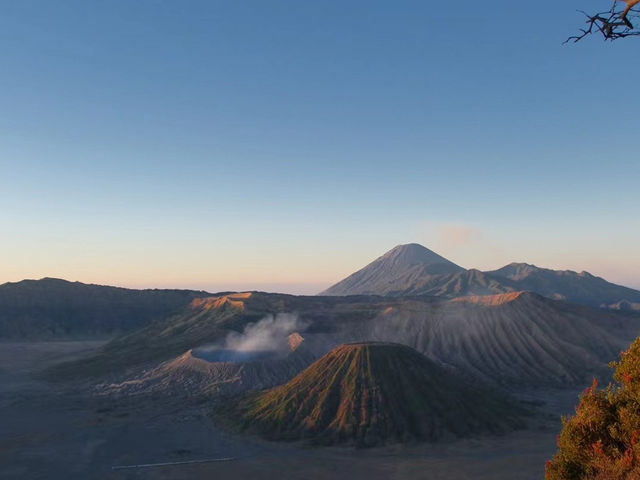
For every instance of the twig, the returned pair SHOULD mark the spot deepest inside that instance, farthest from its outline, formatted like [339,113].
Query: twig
[612,25]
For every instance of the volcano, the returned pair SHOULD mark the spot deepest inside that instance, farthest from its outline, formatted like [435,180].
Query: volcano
[410,270]
[395,271]
[369,394]
[221,371]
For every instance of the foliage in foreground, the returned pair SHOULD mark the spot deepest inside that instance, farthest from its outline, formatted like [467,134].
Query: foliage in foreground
[602,440]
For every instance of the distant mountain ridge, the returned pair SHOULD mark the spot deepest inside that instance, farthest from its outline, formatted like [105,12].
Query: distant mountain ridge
[582,287]
[51,307]
[54,308]
[415,270]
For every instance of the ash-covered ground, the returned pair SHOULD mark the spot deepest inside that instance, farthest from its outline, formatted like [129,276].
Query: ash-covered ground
[53,431]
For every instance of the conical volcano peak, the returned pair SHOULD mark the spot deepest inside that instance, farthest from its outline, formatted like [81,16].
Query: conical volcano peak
[411,254]
[394,270]
[412,269]
[373,393]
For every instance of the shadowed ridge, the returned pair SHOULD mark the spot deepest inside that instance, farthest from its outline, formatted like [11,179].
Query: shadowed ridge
[370,393]
[56,308]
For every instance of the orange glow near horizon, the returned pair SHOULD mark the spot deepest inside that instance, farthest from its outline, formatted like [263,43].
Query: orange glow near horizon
[304,267]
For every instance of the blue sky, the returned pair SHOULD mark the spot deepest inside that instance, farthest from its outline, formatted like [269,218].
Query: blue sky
[281,145]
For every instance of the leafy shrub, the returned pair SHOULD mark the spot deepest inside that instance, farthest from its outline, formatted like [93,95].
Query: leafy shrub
[601,441]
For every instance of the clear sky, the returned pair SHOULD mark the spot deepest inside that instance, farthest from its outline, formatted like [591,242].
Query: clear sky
[280,145]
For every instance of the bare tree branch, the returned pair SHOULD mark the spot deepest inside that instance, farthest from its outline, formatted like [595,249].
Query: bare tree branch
[612,24]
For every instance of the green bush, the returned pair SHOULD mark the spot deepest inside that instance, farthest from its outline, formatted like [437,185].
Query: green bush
[601,441]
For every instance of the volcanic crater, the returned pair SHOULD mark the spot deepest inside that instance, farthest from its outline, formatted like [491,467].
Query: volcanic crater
[222,371]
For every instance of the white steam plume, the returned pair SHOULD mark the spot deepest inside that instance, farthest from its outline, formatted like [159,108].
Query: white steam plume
[270,333]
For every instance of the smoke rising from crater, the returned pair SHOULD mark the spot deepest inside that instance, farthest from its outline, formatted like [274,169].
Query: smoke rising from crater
[270,333]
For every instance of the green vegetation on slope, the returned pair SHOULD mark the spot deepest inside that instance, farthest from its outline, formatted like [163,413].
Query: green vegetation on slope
[602,440]
[374,393]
